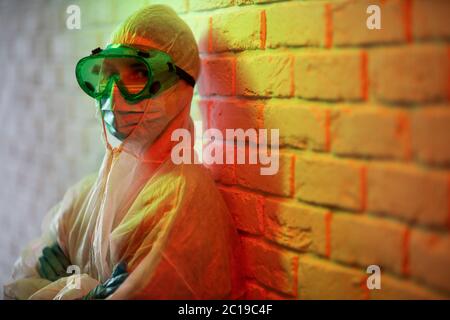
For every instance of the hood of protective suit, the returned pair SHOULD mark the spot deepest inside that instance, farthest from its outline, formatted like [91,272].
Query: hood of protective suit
[156,27]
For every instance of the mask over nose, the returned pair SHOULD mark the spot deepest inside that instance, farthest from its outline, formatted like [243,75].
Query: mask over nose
[121,117]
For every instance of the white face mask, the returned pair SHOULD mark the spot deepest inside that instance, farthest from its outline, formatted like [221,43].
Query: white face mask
[121,117]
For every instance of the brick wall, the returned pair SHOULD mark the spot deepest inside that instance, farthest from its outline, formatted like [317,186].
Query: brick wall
[365,133]
[364,130]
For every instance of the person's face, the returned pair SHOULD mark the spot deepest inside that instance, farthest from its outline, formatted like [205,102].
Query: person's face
[121,116]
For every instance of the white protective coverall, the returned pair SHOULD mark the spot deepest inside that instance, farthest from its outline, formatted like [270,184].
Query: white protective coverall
[168,222]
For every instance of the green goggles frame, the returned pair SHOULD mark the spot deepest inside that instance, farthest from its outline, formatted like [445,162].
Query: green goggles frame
[162,72]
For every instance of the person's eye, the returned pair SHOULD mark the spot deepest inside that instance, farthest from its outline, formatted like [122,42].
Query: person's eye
[140,74]
[108,70]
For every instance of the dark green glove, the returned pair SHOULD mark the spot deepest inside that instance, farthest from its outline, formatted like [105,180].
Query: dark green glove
[102,291]
[53,263]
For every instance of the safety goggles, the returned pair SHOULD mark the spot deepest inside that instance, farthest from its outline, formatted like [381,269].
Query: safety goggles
[138,74]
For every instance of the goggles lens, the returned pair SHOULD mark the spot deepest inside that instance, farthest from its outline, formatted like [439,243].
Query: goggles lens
[97,73]
[138,74]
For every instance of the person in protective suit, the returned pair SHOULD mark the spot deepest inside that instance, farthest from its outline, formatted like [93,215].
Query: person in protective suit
[142,227]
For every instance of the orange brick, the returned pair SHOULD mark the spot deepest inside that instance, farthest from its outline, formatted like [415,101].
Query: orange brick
[430,19]
[236,114]
[407,192]
[249,175]
[329,181]
[370,131]
[295,225]
[295,24]
[301,124]
[364,240]
[329,75]
[321,279]
[430,259]
[237,30]
[223,172]
[431,135]
[349,22]
[266,74]
[216,76]
[274,268]
[246,208]
[420,73]
[204,106]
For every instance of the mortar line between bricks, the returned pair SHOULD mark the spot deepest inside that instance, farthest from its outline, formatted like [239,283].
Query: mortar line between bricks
[299,49]
[253,191]
[208,114]
[448,73]
[405,252]
[265,98]
[263,30]
[412,280]
[328,26]
[295,265]
[364,75]
[365,290]
[233,7]
[361,268]
[327,130]
[403,131]
[328,220]
[448,192]
[337,210]
[379,102]
[292,75]
[233,76]
[292,178]
[324,103]
[364,159]
[363,187]
[407,20]
[210,37]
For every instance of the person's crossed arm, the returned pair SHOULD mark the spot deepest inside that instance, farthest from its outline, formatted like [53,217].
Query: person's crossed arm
[53,265]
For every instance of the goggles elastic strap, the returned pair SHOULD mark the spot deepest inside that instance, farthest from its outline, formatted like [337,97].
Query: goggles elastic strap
[185,76]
